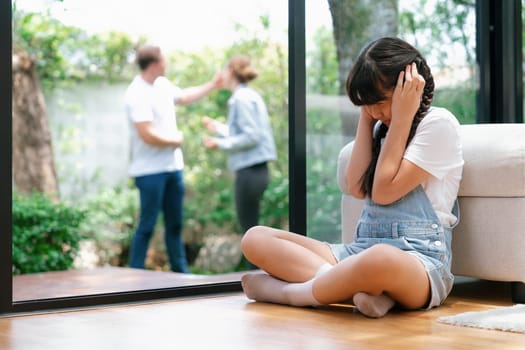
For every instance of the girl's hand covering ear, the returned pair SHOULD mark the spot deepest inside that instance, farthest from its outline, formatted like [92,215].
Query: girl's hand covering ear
[406,98]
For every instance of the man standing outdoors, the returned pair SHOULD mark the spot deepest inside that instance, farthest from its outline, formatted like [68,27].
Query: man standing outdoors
[156,158]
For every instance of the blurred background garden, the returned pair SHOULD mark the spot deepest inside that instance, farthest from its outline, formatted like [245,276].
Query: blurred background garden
[86,216]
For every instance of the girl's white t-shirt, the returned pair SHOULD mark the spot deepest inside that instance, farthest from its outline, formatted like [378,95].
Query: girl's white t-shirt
[436,148]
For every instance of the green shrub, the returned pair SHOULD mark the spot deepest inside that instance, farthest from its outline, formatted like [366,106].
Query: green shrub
[45,234]
[275,204]
[324,196]
[460,100]
[111,216]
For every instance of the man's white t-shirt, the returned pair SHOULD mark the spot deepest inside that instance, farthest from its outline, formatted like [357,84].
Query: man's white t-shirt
[154,103]
[436,148]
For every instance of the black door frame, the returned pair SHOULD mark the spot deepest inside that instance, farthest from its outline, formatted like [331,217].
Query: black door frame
[500,59]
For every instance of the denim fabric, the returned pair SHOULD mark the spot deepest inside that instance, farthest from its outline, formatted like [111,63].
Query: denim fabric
[411,225]
[163,191]
[249,137]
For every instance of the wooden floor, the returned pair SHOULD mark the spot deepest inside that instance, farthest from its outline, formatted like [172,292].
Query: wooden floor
[234,322]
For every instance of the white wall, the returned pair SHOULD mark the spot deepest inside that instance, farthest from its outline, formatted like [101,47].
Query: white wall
[90,137]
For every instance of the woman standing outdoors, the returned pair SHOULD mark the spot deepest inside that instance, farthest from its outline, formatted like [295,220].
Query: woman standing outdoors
[247,139]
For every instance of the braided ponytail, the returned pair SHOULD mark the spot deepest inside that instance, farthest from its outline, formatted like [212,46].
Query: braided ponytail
[426,99]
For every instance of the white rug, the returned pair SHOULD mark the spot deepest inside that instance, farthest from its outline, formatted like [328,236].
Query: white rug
[509,319]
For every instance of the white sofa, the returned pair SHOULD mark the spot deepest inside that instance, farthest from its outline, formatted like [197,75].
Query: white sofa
[489,242]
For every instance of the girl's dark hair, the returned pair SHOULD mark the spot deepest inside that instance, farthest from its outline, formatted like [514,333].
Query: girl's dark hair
[375,72]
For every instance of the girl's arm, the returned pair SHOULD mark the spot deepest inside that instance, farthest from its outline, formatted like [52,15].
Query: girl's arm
[396,176]
[361,155]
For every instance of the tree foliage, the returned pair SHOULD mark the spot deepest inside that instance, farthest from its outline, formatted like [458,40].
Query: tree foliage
[321,76]
[48,54]
[450,23]
[66,54]
[447,23]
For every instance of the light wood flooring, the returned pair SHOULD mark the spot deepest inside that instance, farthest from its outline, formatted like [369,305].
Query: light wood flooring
[234,322]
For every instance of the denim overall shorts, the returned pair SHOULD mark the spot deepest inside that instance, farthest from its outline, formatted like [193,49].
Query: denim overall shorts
[411,225]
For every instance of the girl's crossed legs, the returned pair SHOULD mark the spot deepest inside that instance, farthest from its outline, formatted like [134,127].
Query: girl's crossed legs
[303,272]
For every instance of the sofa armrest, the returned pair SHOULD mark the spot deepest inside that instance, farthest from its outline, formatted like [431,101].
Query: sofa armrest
[350,206]
[342,160]
[494,157]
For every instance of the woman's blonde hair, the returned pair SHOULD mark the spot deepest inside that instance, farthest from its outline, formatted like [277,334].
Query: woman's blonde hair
[242,69]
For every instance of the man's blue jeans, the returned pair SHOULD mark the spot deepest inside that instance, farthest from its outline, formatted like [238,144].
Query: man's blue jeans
[163,191]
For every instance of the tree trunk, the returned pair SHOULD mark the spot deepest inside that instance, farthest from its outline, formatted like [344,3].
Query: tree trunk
[33,165]
[356,23]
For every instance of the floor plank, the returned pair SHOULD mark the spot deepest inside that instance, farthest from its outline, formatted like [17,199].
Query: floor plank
[234,322]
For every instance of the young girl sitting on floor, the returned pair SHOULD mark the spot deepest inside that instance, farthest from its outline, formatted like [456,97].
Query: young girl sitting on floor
[406,163]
